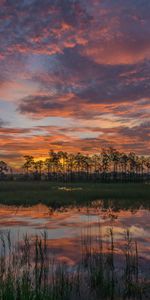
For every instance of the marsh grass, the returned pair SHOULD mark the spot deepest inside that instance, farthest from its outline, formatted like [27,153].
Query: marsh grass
[28,271]
[57,195]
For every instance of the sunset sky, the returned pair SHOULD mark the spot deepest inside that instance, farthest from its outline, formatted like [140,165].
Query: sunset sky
[74,76]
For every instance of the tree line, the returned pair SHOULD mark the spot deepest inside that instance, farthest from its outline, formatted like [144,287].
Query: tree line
[109,165]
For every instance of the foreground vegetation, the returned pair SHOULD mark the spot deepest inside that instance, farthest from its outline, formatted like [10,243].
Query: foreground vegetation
[27,271]
[56,195]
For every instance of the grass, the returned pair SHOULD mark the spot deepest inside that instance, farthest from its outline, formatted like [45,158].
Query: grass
[28,272]
[122,195]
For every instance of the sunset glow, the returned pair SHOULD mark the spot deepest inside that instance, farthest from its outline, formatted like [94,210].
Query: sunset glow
[74,76]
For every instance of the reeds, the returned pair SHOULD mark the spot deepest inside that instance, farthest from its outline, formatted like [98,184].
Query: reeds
[28,270]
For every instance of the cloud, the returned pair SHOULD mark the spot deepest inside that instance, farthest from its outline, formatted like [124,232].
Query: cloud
[92,97]
[55,31]
[15,143]
[121,30]
[86,62]
[2,123]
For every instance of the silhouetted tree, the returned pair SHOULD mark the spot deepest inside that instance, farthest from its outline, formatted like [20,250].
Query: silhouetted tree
[3,169]
[109,165]
[38,166]
[29,163]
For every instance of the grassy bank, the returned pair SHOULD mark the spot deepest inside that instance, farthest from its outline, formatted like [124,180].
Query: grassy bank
[60,194]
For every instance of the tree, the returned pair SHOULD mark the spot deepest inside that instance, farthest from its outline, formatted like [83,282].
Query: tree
[38,165]
[124,162]
[29,163]
[47,164]
[105,160]
[132,161]
[70,164]
[110,164]
[79,162]
[62,159]
[147,164]
[114,158]
[3,169]
[96,162]
[55,161]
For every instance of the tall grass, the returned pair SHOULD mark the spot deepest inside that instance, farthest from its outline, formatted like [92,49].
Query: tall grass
[28,271]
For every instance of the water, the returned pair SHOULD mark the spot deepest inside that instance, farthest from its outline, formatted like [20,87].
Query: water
[66,227]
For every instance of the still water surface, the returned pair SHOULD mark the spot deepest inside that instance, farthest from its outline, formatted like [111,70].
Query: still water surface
[66,227]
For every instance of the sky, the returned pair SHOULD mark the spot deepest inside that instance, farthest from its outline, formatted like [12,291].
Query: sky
[74,76]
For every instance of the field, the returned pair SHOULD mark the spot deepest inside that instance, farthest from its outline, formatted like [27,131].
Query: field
[62,194]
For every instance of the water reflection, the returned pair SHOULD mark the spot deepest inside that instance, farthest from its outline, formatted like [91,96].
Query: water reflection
[65,227]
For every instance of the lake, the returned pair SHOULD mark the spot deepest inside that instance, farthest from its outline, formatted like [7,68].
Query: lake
[64,227]
[107,249]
